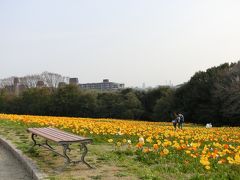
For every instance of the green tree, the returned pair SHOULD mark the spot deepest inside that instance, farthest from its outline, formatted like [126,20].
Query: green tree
[227,92]
[163,110]
[87,104]
[197,98]
[150,99]
[110,105]
[133,107]
[34,101]
[65,100]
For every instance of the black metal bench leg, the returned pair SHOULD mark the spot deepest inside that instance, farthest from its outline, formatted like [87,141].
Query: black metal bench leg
[85,151]
[46,142]
[34,141]
[65,148]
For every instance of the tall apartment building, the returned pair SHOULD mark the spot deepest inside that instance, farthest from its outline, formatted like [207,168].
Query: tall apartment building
[73,81]
[103,86]
[16,87]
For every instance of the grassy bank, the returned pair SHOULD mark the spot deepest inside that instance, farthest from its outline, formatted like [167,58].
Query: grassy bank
[111,162]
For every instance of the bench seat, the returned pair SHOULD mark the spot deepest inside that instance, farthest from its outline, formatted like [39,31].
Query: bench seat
[58,136]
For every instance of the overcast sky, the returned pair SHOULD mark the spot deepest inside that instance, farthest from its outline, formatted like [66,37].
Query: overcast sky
[126,41]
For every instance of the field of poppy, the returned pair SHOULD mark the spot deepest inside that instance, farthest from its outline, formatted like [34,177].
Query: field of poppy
[194,149]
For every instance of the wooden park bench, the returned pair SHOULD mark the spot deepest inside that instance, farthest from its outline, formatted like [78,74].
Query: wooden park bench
[62,138]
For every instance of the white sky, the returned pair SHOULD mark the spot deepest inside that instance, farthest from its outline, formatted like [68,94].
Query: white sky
[126,41]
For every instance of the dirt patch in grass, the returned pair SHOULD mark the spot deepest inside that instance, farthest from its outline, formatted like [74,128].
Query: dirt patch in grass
[101,172]
[54,166]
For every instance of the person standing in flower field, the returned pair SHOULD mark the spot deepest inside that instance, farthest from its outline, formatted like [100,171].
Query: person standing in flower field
[180,121]
[175,123]
[175,120]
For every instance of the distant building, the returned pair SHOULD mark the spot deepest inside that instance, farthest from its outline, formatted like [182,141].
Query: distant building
[103,86]
[15,81]
[20,88]
[61,84]
[178,86]
[73,81]
[16,88]
[10,88]
[40,84]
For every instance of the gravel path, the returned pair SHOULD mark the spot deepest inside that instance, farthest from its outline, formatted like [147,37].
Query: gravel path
[10,167]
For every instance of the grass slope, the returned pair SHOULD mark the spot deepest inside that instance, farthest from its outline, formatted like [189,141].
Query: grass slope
[109,163]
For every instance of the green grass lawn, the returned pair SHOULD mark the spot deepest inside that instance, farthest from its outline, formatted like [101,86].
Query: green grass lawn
[109,163]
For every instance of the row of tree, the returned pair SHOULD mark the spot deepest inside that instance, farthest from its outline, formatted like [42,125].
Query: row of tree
[70,100]
[210,96]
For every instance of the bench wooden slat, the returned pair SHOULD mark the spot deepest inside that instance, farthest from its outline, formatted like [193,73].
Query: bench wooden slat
[62,136]
[52,134]
[37,132]
[66,134]
[58,135]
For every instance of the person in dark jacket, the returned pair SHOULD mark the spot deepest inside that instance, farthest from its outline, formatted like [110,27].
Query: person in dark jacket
[175,124]
[180,121]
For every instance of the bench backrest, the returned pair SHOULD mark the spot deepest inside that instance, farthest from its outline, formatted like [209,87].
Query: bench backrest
[57,135]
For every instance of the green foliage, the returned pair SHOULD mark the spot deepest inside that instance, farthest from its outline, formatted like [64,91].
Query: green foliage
[211,96]
[35,101]
[163,110]
[150,99]
[65,101]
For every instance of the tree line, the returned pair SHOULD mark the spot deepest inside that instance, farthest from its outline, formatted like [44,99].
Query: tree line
[209,96]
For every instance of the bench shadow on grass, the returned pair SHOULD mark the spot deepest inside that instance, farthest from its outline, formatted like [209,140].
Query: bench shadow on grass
[54,165]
